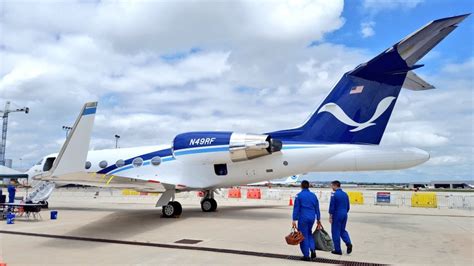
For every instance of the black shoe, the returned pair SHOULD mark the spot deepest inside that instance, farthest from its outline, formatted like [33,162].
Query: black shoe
[313,254]
[336,253]
[305,259]
[349,248]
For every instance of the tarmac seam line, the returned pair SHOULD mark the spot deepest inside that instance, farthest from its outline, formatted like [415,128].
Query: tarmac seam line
[184,247]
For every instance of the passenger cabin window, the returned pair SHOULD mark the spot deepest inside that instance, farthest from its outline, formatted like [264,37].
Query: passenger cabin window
[120,163]
[88,165]
[137,162]
[220,169]
[48,164]
[103,164]
[156,160]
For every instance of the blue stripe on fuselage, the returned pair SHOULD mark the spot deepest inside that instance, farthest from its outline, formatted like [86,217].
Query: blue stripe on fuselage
[200,150]
[128,163]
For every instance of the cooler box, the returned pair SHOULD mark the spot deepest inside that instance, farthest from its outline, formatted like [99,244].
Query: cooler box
[10,218]
[54,215]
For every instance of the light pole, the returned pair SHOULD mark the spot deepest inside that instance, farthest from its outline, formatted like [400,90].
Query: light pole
[116,141]
[67,129]
[5,112]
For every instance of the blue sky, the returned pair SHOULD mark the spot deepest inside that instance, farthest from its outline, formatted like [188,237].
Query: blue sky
[160,68]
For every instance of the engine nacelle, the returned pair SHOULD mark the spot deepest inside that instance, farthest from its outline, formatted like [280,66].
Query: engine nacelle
[244,147]
[223,147]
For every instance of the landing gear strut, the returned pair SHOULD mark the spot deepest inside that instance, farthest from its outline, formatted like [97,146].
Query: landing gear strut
[44,204]
[208,203]
[172,209]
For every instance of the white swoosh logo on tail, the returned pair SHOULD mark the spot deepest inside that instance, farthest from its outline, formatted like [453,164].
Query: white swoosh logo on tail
[337,112]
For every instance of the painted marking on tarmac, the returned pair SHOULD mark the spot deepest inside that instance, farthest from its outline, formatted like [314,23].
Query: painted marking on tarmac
[110,179]
[183,247]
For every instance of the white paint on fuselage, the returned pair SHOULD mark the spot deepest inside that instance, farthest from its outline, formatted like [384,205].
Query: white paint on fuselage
[196,170]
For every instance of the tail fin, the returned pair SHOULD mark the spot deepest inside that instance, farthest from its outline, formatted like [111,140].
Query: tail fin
[73,154]
[358,108]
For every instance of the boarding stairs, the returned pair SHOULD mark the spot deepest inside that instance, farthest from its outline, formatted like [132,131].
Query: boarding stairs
[41,192]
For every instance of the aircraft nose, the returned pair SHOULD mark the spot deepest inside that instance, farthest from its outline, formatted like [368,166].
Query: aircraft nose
[30,173]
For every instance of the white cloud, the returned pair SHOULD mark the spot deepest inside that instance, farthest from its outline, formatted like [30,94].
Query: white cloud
[445,160]
[58,55]
[367,29]
[251,72]
[376,6]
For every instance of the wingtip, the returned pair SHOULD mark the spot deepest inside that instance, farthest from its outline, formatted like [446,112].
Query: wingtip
[91,104]
[456,19]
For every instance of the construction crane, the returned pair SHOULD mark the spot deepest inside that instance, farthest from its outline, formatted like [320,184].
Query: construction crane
[5,112]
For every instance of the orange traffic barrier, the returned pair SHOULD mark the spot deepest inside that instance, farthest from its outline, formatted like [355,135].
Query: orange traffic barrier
[291,202]
[234,193]
[3,264]
[254,193]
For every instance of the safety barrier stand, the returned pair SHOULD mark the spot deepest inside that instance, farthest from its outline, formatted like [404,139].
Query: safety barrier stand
[234,193]
[424,199]
[254,193]
[356,197]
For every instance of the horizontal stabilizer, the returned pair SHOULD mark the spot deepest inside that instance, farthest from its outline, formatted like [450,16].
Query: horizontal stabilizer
[415,83]
[418,44]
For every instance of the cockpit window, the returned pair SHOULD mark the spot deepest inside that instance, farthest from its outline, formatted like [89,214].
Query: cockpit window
[40,162]
[48,164]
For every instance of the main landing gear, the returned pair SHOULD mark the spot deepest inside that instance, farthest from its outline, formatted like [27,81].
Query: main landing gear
[172,209]
[208,203]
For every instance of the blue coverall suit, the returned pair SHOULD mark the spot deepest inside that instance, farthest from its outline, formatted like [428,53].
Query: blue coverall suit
[11,193]
[305,211]
[338,208]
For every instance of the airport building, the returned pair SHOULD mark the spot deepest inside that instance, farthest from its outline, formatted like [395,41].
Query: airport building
[446,184]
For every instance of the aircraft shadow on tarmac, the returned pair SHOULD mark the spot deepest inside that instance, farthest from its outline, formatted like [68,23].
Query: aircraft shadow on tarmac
[126,223]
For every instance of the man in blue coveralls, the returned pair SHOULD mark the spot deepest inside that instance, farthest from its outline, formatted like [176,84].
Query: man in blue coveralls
[338,209]
[11,192]
[305,211]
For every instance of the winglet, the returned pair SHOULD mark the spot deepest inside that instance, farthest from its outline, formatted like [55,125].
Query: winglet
[73,154]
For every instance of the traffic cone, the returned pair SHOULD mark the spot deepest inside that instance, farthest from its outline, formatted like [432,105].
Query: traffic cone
[291,202]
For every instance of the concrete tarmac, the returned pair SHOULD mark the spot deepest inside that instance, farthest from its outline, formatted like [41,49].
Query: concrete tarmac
[380,234]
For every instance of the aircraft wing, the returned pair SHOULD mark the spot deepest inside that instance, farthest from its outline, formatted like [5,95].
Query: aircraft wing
[69,166]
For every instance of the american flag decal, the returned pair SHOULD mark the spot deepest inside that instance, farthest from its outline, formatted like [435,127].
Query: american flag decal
[356,89]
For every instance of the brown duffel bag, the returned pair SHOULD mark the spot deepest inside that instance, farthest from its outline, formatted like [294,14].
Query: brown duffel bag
[295,237]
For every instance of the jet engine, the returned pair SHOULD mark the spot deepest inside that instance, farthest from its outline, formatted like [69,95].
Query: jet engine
[244,147]
[223,147]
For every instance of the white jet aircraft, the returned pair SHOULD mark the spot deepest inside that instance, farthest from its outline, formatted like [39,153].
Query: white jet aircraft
[341,135]
[289,181]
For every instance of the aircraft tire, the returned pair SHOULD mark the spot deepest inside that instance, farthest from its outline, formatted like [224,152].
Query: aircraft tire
[173,209]
[208,205]
[214,205]
[177,207]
